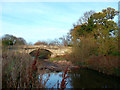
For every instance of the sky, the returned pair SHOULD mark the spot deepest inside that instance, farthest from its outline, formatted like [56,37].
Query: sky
[47,21]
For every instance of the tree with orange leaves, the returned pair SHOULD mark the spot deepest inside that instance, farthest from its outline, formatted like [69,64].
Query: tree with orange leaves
[101,27]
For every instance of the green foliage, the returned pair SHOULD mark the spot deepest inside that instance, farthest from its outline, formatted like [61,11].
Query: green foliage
[84,49]
[102,28]
[57,59]
[7,42]
[12,40]
[115,53]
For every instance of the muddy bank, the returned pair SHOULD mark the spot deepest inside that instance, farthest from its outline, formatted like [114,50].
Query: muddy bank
[60,66]
[46,65]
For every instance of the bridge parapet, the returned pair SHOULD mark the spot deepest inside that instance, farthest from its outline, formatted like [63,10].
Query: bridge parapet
[56,50]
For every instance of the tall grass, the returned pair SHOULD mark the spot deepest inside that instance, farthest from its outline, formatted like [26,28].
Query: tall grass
[15,69]
[19,70]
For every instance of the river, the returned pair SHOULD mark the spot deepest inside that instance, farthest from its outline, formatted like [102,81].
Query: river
[84,78]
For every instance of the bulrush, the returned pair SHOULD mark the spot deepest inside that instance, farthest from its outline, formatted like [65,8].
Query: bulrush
[32,74]
[64,77]
[64,82]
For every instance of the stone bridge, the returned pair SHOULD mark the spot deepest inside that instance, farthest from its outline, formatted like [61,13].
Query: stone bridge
[56,50]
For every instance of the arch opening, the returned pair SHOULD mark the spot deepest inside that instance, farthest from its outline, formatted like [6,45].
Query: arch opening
[43,53]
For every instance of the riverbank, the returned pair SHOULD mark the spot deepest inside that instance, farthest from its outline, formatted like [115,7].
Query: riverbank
[79,75]
[108,65]
[17,69]
[47,66]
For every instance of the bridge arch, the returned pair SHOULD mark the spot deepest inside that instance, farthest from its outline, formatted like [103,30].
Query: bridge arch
[43,53]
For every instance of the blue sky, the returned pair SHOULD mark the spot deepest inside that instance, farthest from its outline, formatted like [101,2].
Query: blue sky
[44,20]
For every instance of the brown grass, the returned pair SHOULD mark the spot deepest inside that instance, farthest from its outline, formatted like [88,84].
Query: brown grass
[105,64]
[15,69]
[21,71]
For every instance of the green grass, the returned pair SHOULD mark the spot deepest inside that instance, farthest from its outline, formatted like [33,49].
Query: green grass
[57,59]
[115,53]
[80,63]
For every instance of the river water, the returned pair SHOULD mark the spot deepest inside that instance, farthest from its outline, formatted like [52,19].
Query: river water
[84,79]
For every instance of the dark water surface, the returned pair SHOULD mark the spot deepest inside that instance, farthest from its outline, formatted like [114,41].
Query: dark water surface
[84,78]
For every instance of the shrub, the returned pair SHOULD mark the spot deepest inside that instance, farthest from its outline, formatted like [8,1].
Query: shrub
[84,49]
[41,43]
[12,40]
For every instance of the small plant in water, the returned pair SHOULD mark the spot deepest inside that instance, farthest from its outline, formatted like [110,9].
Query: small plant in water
[64,82]
[64,77]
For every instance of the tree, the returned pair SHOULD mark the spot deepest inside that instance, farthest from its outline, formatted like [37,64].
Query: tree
[97,22]
[106,30]
[85,17]
[66,39]
[20,41]
[101,27]
[54,42]
[29,43]
[104,23]
[80,29]
[12,40]
[41,43]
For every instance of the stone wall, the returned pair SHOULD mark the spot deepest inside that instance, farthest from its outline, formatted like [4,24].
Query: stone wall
[56,50]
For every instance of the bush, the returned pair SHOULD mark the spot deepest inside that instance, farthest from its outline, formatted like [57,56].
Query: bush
[84,49]
[41,43]
[12,40]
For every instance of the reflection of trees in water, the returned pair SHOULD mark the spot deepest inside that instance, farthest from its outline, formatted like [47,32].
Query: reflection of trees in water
[92,79]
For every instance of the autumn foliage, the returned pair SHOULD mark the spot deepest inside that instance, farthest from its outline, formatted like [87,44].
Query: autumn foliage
[101,28]
[95,41]
[40,43]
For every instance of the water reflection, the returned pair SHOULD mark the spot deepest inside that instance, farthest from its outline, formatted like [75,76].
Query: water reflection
[84,79]
[92,79]
[54,77]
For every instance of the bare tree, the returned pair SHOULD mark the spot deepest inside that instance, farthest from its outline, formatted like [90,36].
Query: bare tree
[66,39]
[84,18]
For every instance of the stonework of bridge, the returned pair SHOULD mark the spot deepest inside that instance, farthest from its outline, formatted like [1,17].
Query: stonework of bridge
[56,50]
